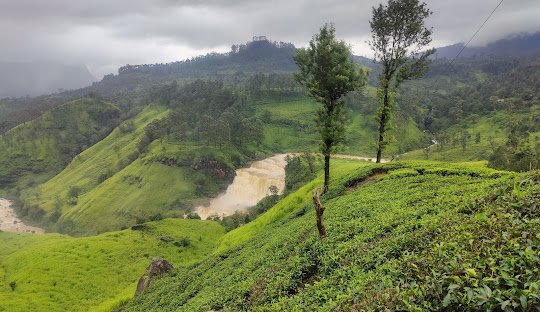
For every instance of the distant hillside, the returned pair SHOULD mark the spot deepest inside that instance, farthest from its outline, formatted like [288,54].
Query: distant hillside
[46,144]
[36,78]
[516,46]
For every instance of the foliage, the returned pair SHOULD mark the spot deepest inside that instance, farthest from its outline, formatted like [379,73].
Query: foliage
[495,131]
[301,169]
[329,73]
[45,145]
[238,218]
[489,262]
[398,37]
[518,153]
[403,239]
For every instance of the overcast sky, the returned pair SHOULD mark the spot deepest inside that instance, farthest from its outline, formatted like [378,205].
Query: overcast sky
[105,34]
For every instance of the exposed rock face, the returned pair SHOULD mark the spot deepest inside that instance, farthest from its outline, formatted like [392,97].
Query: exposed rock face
[157,269]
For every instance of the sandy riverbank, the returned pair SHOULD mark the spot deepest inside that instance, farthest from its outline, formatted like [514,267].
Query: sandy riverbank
[9,222]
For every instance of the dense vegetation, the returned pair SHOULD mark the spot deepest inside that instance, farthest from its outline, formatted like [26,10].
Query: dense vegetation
[411,235]
[156,140]
[46,144]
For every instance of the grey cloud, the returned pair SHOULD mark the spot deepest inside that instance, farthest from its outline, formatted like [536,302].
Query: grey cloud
[105,34]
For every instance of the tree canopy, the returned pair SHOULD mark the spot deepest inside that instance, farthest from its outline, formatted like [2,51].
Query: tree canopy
[328,72]
[399,39]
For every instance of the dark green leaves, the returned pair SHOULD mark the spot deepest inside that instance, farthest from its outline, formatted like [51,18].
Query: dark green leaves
[399,37]
[328,72]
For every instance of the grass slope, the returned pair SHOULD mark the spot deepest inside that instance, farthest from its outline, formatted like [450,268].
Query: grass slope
[113,184]
[491,129]
[290,126]
[53,272]
[421,236]
[39,148]
[91,170]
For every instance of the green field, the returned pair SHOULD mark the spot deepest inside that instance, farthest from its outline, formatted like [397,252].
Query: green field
[54,272]
[491,130]
[290,126]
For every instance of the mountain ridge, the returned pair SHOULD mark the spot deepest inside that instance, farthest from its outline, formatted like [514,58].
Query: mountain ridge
[518,45]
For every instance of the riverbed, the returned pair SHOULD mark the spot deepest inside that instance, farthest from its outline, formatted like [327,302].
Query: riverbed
[249,186]
[9,222]
[252,184]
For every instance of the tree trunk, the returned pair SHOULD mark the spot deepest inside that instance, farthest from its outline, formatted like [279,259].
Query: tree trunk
[379,154]
[382,124]
[326,171]
[319,210]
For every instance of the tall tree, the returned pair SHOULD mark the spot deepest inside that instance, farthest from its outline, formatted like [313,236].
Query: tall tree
[328,72]
[399,41]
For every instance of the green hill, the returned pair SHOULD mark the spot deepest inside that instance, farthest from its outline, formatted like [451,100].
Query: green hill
[414,236]
[114,184]
[477,137]
[65,192]
[404,234]
[289,126]
[54,272]
[173,156]
[41,147]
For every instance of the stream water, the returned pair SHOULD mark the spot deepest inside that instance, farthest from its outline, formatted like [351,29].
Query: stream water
[249,186]
[252,184]
[9,222]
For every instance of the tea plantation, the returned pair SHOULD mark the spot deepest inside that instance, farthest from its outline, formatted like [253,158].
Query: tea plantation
[414,236]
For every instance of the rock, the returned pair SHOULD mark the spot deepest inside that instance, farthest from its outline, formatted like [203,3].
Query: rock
[156,270]
[166,239]
[138,227]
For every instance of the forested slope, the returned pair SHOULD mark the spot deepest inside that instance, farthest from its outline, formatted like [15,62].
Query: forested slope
[46,144]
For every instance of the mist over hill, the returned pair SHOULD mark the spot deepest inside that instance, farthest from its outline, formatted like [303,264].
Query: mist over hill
[514,46]
[37,78]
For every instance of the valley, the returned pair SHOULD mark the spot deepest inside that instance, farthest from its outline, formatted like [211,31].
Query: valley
[271,177]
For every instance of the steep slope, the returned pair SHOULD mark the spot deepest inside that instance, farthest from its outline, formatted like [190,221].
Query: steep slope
[54,272]
[115,183]
[91,168]
[46,144]
[412,235]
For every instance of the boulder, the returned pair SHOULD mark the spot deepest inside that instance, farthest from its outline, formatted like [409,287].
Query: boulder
[139,227]
[157,269]
[166,239]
